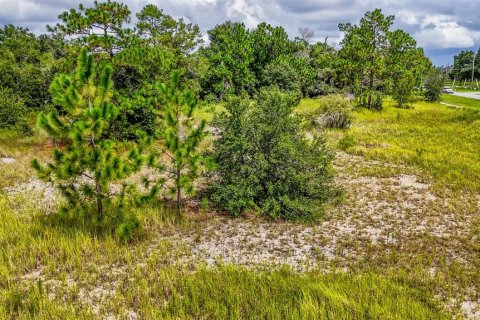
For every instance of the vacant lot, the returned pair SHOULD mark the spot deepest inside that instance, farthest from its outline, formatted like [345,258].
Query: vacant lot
[402,244]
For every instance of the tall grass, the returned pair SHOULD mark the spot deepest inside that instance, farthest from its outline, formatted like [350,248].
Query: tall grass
[153,283]
[440,141]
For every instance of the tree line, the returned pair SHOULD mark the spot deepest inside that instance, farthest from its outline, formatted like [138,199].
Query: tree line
[371,61]
[116,98]
[466,64]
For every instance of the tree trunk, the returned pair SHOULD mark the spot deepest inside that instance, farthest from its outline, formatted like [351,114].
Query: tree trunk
[370,88]
[179,193]
[99,200]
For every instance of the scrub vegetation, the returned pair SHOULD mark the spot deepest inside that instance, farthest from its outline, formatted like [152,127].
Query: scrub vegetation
[147,175]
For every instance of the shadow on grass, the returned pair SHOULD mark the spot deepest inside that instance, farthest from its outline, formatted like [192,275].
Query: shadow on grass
[125,224]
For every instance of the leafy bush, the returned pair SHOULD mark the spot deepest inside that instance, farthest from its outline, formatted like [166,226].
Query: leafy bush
[265,163]
[319,88]
[132,119]
[346,142]
[128,228]
[281,74]
[376,102]
[13,111]
[335,112]
[403,90]
[434,82]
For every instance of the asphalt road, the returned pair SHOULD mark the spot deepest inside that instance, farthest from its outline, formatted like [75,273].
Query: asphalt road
[471,95]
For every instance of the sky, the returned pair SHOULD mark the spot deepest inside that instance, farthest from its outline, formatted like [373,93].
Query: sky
[441,27]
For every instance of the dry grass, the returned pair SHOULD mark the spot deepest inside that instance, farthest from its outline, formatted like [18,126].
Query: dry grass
[403,240]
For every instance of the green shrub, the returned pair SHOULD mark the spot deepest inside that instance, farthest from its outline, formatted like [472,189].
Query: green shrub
[346,142]
[320,88]
[403,90]
[13,111]
[335,112]
[128,228]
[376,102]
[433,83]
[282,75]
[265,163]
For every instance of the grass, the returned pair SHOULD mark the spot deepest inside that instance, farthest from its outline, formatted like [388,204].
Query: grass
[461,86]
[50,268]
[79,275]
[22,149]
[461,101]
[439,141]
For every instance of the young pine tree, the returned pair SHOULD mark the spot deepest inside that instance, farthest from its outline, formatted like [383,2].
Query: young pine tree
[86,168]
[182,136]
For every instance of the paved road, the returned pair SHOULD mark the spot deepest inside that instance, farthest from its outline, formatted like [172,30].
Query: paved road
[471,95]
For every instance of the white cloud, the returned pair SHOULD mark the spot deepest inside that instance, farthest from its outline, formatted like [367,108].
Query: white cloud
[250,13]
[436,24]
[446,35]
[439,31]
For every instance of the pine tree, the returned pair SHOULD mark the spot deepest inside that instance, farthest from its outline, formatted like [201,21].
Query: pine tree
[181,138]
[86,168]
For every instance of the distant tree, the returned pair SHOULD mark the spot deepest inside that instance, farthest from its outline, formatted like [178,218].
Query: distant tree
[306,34]
[102,27]
[433,83]
[28,65]
[13,111]
[165,44]
[283,75]
[363,51]
[157,45]
[238,57]
[463,64]
[181,139]
[230,55]
[265,163]
[325,62]
[405,65]
[85,170]
[160,29]
[269,44]
[305,73]
[323,58]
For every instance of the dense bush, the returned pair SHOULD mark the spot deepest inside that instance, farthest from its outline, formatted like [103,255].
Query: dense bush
[13,112]
[335,112]
[282,75]
[371,99]
[319,87]
[266,164]
[28,64]
[403,90]
[434,82]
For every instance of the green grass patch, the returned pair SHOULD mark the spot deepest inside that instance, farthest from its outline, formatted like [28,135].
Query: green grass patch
[442,142]
[462,86]
[22,149]
[461,101]
[155,288]
[308,106]
[231,292]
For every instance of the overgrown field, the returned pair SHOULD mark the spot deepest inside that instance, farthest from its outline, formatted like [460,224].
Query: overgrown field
[403,243]
[441,143]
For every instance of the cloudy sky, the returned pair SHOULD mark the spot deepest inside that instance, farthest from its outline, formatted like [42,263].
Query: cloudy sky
[442,27]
